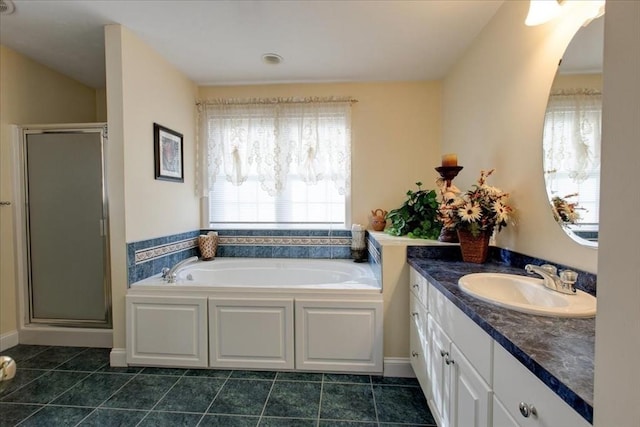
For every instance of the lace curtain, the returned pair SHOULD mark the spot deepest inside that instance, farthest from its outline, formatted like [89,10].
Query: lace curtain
[571,140]
[273,138]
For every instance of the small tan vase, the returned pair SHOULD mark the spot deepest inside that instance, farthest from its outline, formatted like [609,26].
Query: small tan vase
[378,219]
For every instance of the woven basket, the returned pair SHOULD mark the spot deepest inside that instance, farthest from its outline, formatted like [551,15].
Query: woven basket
[208,245]
[474,248]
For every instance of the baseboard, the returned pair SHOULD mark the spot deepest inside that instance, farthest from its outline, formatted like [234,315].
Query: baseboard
[398,367]
[72,337]
[118,357]
[8,340]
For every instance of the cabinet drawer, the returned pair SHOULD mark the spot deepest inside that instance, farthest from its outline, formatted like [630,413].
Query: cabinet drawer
[418,286]
[513,384]
[418,316]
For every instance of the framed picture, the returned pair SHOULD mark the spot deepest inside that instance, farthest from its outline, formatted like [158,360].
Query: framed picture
[167,148]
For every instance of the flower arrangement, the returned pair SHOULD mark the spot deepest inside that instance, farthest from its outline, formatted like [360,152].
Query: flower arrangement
[482,208]
[564,211]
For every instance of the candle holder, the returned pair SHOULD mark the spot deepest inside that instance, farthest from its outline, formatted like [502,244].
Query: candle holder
[448,173]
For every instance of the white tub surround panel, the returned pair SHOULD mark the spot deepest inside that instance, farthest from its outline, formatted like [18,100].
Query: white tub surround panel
[250,332]
[339,335]
[167,331]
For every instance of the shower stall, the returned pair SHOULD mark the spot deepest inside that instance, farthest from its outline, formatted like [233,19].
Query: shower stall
[66,233]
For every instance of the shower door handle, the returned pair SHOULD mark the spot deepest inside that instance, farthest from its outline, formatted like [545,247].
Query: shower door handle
[103,227]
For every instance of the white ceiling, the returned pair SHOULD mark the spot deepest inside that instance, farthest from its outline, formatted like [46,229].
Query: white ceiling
[221,42]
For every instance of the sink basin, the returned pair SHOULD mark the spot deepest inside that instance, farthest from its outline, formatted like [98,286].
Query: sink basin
[527,295]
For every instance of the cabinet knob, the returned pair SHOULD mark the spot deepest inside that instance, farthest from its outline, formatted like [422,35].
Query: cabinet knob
[443,353]
[527,409]
[415,354]
[416,286]
[448,360]
[414,314]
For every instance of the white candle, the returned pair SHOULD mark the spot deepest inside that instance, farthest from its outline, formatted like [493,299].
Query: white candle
[450,160]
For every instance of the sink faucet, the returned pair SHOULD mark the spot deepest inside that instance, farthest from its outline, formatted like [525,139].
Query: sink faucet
[170,274]
[565,283]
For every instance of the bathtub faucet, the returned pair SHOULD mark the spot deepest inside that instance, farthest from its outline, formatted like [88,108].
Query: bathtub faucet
[171,274]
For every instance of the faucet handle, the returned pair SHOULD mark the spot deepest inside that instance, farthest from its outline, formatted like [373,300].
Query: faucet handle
[551,269]
[569,276]
[568,279]
[164,272]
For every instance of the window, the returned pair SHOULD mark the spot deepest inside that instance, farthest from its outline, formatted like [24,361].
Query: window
[276,163]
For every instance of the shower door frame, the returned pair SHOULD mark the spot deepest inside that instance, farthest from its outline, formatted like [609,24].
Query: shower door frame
[27,304]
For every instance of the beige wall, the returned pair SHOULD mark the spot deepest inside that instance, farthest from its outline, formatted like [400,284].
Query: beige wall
[30,94]
[395,135]
[617,376]
[494,101]
[578,81]
[143,88]
[101,105]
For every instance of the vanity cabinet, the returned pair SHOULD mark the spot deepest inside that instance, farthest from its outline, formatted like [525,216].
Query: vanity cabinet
[471,380]
[514,386]
[439,396]
[459,395]
[167,331]
[457,356]
[418,329]
[255,333]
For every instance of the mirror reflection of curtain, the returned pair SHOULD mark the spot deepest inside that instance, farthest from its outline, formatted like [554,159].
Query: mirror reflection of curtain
[571,144]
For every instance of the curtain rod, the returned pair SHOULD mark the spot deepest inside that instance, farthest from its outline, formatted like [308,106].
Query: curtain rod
[578,91]
[291,100]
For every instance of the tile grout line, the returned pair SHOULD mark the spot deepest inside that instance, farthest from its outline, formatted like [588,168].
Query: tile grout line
[45,371]
[206,411]
[373,397]
[59,394]
[111,395]
[264,407]
[162,397]
[320,402]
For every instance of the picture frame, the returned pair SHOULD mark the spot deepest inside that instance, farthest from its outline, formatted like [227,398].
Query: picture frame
[168,153]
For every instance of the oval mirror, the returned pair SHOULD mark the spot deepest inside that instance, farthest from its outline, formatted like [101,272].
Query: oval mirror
[571,136]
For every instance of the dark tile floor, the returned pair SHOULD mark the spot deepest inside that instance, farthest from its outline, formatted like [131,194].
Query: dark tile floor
[68,386]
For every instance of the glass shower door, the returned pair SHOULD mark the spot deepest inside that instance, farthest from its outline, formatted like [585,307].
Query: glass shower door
[67,239]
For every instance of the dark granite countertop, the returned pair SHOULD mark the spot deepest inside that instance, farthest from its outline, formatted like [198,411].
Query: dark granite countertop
[559,351]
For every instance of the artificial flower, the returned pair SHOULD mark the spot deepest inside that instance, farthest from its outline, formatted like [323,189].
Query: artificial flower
[482,208]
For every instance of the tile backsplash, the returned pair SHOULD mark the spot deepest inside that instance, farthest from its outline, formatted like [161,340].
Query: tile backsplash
[146,258]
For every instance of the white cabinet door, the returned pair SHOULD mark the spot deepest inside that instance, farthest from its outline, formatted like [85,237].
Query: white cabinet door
[439,372]
[339,335]
[167,331]
[470,404]
[501,416]
[251,333]
[418,351]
